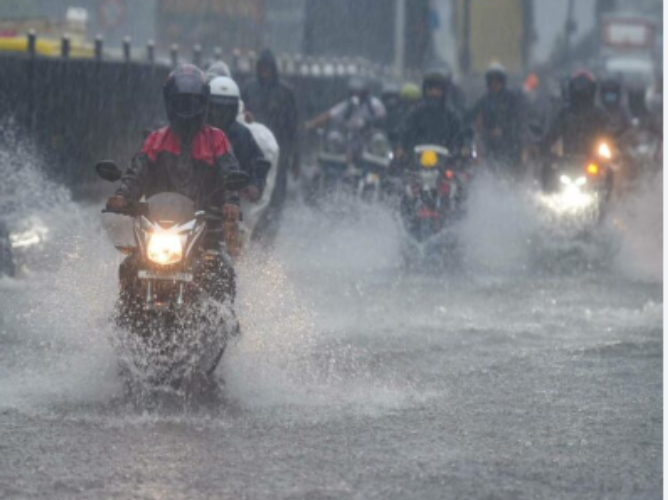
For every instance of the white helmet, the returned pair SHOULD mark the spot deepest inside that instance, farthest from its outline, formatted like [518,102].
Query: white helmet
[223,87]
[218,68]
[224,101]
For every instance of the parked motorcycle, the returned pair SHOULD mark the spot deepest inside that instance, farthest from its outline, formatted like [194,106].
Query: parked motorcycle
[174,310]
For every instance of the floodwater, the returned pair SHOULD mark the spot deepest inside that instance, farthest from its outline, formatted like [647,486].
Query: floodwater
[533,369]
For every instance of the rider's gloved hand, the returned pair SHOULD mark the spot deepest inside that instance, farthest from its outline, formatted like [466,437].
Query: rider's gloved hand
[117,203]
[231,212]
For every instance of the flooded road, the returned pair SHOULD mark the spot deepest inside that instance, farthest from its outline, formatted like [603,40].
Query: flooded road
[508,377]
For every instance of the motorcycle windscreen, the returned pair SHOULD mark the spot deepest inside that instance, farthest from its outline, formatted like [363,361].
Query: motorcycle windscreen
[161,207]
[170,207]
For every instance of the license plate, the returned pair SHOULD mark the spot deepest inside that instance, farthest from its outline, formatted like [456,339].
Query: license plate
[151,275]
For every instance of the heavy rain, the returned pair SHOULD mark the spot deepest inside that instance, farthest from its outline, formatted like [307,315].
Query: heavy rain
[317,249]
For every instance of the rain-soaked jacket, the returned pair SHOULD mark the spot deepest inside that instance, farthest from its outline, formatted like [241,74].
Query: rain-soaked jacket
[272,102]
[429,123]
[578,129]
[164,166]
[498,117]
[248,153]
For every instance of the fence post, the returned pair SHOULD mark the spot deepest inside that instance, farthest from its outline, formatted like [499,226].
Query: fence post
[174,53]
[65,47]
[150,51]
[98,48]
[32,43]
[127,54]
[197,55]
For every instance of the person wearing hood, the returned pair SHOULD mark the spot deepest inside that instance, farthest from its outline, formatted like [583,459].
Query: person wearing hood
[432,121]
[498,120]
[272,102]
[580,123]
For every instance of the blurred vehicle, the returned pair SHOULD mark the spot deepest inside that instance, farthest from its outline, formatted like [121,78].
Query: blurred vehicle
[433,199]
[488,31]
[579,186]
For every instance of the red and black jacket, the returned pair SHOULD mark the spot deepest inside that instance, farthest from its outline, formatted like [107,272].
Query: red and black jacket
[163,166]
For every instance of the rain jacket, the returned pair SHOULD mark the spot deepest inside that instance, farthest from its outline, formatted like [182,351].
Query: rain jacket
[248,152]
[431,124]
[579,129]
[272,102]
[163,165]
[498,120]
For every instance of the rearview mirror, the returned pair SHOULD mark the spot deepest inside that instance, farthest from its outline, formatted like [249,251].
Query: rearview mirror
[235,181]
[108,170]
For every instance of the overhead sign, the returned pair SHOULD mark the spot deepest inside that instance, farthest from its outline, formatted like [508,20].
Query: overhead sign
[628,33]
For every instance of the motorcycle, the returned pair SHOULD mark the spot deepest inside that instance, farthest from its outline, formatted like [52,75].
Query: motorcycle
[375,163]
[579,187]
[355,165]
[433,199]
[174,313]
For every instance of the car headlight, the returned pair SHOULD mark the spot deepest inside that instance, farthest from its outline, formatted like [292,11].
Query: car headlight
[165,249]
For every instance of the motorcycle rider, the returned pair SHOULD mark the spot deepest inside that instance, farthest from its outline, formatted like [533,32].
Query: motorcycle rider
[498,120]
[580,122]
[432,121]
[578,125]
[391,98]
[224,108]
[611,93]
[358,112]
[190,158]
[272,102]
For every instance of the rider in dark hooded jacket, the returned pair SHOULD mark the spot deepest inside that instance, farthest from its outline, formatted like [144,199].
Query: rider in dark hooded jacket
[272,103]
[580,122]
[498,120]
[432,121]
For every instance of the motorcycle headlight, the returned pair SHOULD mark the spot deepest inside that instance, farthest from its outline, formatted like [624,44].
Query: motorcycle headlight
[164,249]
[604,151]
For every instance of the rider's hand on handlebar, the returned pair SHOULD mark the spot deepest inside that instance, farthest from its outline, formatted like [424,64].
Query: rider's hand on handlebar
[231,212]
[117,203]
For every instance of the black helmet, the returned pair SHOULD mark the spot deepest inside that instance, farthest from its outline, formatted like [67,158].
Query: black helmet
[582,89]
[436,77]
[496,72]
[186,95]
[611,92]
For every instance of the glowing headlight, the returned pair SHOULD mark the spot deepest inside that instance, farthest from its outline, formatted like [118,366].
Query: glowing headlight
[567,181]
[165,249]
[604,151]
